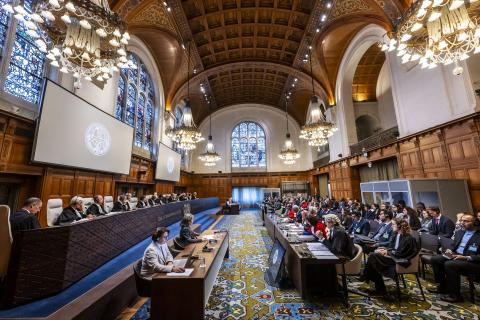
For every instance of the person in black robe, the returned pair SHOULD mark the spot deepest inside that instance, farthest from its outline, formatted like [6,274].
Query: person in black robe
[402,248]
[142,203]
[25,218]
[120,205]
[73,212]
[96,208]
[337,240]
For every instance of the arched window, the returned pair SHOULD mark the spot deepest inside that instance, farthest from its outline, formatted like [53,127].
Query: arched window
[25,71]
[178,120]
[136,101]
[248,146]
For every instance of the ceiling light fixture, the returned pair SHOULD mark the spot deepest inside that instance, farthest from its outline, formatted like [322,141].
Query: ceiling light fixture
[288,154]
[210,157]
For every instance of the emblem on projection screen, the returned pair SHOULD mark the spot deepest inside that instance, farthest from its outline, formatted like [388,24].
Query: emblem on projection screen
[170,165]
[97,139]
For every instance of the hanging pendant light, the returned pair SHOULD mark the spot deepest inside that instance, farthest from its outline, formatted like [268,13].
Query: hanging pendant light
[288,154]
[317,130]
[210,157]
[186,134]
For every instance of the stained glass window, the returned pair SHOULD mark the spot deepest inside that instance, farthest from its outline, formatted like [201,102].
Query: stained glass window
[178,120]
[135,102]
[24,77]
[248,146]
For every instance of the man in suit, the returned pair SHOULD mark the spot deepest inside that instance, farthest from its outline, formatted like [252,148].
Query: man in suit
[128,199]
[25,218]
[73,212]
[359,225]
[441,225]
[383,234]
[151,201]
[464,259]
[96,208]
[142,203]
[120,205]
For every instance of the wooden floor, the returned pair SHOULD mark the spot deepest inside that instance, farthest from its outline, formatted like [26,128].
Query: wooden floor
[130,311]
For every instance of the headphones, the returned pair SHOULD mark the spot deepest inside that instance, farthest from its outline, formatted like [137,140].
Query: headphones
[158,233]
[476,222]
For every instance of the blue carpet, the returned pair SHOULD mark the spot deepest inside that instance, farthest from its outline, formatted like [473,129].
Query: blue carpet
[44,307]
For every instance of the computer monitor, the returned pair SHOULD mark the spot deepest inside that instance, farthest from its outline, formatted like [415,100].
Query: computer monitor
[275,263]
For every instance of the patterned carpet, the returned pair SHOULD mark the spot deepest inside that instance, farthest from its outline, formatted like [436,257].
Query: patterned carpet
[241,293]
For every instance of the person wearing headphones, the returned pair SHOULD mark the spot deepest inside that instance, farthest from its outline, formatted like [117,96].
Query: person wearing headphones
[157,257]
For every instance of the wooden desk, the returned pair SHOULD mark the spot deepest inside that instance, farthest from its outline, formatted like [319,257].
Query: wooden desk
[309,274]
[186,297]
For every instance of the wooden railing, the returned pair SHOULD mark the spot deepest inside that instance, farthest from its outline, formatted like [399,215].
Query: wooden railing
[376,140]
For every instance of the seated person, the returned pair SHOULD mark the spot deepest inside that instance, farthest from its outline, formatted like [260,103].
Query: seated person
[383,234]
[227,208]
[458,223]
[120,205]
[337,240]
[401,249]
[411,216]
[425,221]
[441,225]
[359,224]
[187,235]
[194,196]
[151,202]
[96,208]
[347,219]
[182,197]
[142,202]
[157,257]
[25,218]
[128,199]
[156,199]
[73,212]
[316,227]
[464,259]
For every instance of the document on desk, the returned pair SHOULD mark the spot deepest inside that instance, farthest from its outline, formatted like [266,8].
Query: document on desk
[209,237]
[316,246]
[186,273]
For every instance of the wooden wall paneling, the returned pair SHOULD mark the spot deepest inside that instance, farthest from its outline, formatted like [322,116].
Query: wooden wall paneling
[84,184]
[104,184]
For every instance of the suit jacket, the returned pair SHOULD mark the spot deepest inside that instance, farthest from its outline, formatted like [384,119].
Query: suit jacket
[414,223]
[155,259]
[141,204]
[445,227]
[472,248]
[360,227]
[69,215]
[118,206]
[96,210]
[340,244]
[23,220]
[151,202]
[370,214]
[384,235]
[407,249]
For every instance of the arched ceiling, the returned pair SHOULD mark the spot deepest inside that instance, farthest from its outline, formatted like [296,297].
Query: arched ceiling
[251,51]
[364,87]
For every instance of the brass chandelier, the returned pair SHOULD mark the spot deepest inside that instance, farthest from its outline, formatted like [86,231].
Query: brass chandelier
[210,157]
[288,154]
[436,32]
[81,37]
[317,130]
[186,135]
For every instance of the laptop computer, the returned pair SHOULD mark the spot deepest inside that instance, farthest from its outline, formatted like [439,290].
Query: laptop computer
[185,262]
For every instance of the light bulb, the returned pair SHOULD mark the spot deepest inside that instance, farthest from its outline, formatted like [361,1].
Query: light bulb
[477,50]
[50,56]
[436,3]
[68,51]
[101,32]
[54,63]
[432,65]
[415,57]
[434,16]
[464,57]
[48,15]
[19,9]
[8,8]
[97,63]
[70,7]
[76,75]
[55,51]
[66,18]
[442,44]
[124,41]
[401,53]
[113,42]
[32,33]
[384,47]
[121,52]
[85,24]
[85,56]
[426,4]
[100,78]
[421,13]
[416,26]
[64,70]
[30,25]
[462,36]
[455,4]
[402,46]
[458,70]
[88,78]
[37,18]
[54,3]
[116,33]
[126,35]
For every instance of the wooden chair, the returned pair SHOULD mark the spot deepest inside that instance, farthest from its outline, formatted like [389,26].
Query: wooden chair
[144,286]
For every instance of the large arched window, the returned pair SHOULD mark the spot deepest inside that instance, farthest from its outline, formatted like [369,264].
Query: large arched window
[248,146]
[178,121]
[136,101]
[26,64]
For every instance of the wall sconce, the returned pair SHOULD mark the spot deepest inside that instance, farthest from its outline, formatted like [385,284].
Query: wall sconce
[369,164]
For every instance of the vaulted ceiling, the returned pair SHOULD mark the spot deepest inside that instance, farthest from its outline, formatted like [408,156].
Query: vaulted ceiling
[253,51]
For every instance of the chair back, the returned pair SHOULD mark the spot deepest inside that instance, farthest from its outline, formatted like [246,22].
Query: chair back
[133,202]
[177,244]
[108,203]
[54,209]
[374,226]
[5,239]
[446,243]
[413,268]
[415,235]
[352,267]
[429,242]
[87,202]
[144,286]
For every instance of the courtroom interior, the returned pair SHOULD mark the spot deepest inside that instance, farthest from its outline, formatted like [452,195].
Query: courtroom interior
[239,159]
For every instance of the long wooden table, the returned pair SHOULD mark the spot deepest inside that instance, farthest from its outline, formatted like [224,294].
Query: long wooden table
[46,261]
[186,297]
[308,274]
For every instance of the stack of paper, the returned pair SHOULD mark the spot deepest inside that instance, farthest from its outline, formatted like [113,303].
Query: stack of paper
[186,273]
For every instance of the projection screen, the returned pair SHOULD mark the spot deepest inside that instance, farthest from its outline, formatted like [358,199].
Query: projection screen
[72,132]
[168,164]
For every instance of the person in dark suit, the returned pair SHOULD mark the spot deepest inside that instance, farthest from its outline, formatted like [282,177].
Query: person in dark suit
[120,205]
[142,202]
[411,216]
[153,201]
[194,196]
[359,225]
[337,240]
[187,235]
[128,199]
[73,212]
[383,235]
[463,259]
[96,208]
[25,218]
[402,248]
[441,225]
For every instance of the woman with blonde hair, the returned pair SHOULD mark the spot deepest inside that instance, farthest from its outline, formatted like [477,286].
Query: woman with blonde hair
[337,240]
[402,248]
[187,235]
